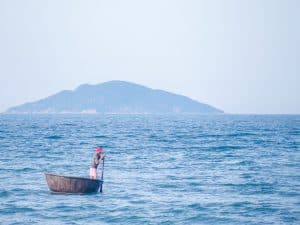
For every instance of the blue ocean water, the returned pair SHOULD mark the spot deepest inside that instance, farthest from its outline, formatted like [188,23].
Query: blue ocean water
[160,169]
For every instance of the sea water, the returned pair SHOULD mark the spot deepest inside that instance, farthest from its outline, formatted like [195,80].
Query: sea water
[159,169]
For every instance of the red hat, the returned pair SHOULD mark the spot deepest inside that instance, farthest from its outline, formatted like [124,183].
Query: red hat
[99,150]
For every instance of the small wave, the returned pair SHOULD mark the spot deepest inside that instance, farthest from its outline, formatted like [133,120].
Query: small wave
[185,136]
[225,148]
[14,209]
[19,190]
[241,134]
[289,194]
[240,204]
[99,136]
[265,208]
[4,193]
[18,170]
[245,163]
[138,201]
[196,206]
[246,175]
[27,169]
[294,132]
[210,135]
[65,208]
[166,185]
[252,188]
[193,184]
[54,137]
[153,136]
[68,124]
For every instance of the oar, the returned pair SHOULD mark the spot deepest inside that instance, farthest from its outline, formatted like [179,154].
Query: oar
[102,175]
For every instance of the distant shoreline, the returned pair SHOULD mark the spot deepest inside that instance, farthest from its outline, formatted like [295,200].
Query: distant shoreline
[172,114]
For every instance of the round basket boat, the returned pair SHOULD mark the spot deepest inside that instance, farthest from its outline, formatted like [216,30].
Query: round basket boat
[68,184]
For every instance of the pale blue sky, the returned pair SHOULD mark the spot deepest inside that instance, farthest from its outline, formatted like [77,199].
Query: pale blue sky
[241,56]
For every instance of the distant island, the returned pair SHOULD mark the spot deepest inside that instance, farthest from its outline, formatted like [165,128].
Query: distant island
[115,97]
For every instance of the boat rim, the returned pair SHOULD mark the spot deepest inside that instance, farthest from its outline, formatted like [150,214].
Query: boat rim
[73,177]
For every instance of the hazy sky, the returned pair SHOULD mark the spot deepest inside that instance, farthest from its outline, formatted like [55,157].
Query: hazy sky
[242,56]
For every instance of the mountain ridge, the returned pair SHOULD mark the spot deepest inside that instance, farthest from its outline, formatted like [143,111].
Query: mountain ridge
[115,97]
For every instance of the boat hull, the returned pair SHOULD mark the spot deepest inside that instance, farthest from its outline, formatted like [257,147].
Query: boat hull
[67,184]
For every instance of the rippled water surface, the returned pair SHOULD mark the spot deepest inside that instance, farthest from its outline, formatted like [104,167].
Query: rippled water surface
[160,169]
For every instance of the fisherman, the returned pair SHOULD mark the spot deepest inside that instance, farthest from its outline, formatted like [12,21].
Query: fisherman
[95,162]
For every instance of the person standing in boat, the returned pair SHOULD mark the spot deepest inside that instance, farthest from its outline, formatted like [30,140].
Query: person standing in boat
[95,162]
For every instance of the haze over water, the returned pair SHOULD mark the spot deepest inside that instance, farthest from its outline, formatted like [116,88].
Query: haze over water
[170,169]
[239,56]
